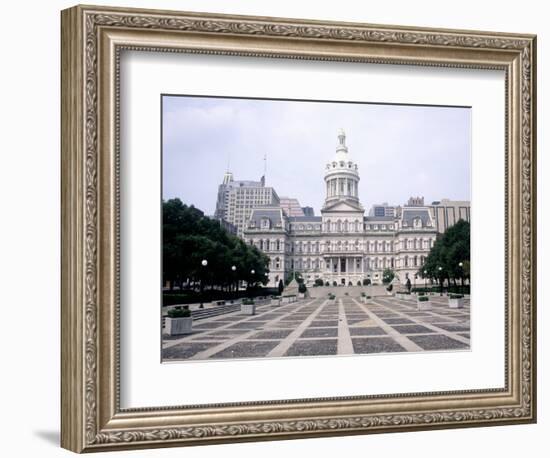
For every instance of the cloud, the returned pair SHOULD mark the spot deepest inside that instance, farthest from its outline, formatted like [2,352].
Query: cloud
[400,150]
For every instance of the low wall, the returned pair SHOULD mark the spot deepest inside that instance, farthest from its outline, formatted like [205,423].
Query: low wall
[353,291]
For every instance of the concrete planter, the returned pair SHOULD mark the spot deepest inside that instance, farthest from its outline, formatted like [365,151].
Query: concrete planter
[456,303]
[248,309]
[423,305]
[276,302]
[301,295]
[177,326]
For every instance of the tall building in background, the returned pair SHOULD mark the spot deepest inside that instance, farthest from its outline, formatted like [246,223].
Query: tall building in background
[291,206]
[236,199]
[415,202]
[308,211]
[447,212]
[383,209]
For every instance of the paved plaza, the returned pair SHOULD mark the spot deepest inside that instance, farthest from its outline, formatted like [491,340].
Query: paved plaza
[322,327]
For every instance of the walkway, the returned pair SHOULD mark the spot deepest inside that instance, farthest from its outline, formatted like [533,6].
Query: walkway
[321,327]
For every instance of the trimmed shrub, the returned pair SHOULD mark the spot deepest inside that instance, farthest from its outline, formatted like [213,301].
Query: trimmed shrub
[350,284]
[423,298]
[247,301]
[318,282]
[334,283]
[179,312]
[366,281]
[327,283]
[302,288]
[456,296]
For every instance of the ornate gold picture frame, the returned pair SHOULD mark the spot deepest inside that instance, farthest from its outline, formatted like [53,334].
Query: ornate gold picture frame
[93,39]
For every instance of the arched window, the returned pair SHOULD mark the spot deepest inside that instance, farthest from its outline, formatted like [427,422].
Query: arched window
[261,244]
[278,245]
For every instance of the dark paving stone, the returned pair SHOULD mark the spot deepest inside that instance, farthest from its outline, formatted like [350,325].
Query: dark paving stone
[411,329]
[453,327]
[436,319]
[323,323]
[438,342]
[246,349]
[376,345]
[185,350]
[246,325]
[271,334]
[234,318]
[368,331]
[167,338]
[226,332]
[320,332]
[313,348]
[398,321]
[214,340]
[208,325]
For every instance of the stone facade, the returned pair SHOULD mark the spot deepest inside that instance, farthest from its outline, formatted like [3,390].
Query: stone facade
[342,245]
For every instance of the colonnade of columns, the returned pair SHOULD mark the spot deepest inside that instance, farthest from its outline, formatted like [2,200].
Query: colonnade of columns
[342,187]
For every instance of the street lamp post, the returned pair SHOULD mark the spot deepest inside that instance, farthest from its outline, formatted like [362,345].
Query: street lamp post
[204,263]
[233,270]
[425,281]
[252,272]
[461,264]
[440,281]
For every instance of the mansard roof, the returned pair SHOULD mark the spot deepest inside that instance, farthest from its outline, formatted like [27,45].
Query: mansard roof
[275,215]
[409,215]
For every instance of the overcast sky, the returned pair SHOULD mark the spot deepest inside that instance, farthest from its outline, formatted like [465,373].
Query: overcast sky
[401,150]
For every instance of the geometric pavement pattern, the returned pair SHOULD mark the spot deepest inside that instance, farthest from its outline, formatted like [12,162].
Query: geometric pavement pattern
[322,327]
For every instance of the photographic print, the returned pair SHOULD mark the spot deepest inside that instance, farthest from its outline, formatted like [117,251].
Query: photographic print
[303,228]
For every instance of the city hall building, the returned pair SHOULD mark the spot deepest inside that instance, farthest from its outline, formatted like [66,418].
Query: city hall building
[343,245]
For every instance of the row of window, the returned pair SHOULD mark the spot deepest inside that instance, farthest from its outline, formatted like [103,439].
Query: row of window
[368,263]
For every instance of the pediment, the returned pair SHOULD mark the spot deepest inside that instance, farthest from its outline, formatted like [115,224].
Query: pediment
[342,206]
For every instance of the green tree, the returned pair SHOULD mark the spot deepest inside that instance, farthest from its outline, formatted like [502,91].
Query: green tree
[189,237]
[449,258]
[387,275]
